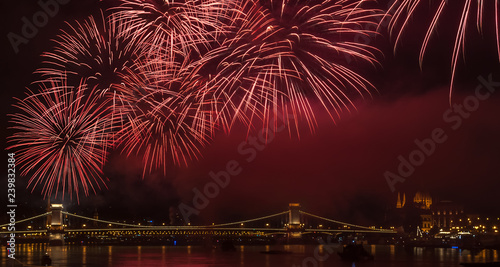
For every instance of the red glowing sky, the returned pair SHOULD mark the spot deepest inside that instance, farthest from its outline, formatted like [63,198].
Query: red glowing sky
[336,171]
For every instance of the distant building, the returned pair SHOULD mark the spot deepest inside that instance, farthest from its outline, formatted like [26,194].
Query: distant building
[423,214]
[422,200]
[399,204]
[427,224]
[446,214]
[416,213]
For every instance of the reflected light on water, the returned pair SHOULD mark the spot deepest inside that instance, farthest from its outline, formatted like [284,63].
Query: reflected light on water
[321,249]
[418,251]
[372,249]
[242,255]
[139,253]
[84,255]
[164,255]
[110,255]
[247,256]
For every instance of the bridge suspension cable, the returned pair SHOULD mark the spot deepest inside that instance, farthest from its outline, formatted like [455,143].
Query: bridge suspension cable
[31,218]
[339,222]
[250,220]
[103,221]
[147,226]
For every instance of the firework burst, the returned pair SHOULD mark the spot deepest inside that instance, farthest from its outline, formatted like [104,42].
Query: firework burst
[403,10]
[62,138]
[286,54]
[173,29]
[160,124]
[177,71]
[96,50]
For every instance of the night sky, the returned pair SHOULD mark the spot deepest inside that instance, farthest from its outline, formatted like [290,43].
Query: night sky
[338,170]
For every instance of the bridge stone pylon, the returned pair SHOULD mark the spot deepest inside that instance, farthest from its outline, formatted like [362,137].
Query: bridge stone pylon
[295,226]
[56,225]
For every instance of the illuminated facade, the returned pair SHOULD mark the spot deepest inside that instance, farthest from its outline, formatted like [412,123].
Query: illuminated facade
[56,216]
[446,214]
[422,200]
[426,222]
[400,204]
[295,226]
[56,231]
[294,215]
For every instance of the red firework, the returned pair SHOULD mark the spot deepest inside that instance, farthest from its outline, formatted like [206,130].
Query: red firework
[178,70]
[62,138]
[403,10]
[286,54]
[160,124]
[173,29]
[96,50]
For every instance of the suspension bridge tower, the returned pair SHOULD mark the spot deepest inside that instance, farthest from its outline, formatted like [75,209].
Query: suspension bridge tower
[56,225]
[295,226]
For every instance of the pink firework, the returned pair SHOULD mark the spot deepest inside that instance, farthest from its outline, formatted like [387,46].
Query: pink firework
[95,50]
[173,29]
[62,138]
[286,54]
[160,124]
[471,11]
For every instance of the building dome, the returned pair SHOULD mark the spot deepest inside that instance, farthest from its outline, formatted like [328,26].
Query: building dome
[422,200]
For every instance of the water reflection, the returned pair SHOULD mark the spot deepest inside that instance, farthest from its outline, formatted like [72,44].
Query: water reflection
[110,255]
[84,254]
[248,256]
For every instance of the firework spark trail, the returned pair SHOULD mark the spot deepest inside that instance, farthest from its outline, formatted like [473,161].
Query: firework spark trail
[286,54]
[96,50]
[174,30]
[160,124]
[62,138]
[403,10]
[173,72]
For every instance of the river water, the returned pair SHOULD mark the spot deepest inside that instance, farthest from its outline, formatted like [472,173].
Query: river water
[248,256]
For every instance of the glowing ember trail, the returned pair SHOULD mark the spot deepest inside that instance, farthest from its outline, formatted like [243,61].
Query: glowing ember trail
[403,10]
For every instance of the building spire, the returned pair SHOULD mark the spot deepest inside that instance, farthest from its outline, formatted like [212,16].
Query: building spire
[398,204]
